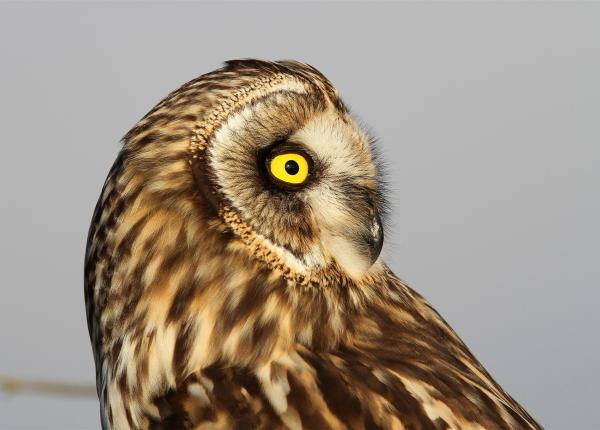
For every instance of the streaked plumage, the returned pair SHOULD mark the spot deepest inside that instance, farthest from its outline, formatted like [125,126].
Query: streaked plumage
[219,299]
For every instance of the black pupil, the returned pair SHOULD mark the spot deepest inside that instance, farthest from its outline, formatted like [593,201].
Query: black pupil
[291,167]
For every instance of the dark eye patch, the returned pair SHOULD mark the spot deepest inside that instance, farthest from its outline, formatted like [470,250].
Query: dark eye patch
[282,146]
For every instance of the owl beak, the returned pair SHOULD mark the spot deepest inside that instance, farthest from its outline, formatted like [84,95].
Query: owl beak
[357,246]
[375,239]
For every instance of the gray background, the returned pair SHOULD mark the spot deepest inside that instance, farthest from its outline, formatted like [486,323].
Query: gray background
[488,116]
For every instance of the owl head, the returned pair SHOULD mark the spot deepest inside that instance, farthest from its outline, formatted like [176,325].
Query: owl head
[268,151]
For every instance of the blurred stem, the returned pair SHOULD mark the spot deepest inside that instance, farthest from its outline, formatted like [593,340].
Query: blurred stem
[11,384]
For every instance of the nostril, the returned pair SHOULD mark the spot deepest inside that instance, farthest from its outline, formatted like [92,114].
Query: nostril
[376,228]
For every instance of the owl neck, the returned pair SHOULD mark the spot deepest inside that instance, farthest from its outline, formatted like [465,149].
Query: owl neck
[188,293]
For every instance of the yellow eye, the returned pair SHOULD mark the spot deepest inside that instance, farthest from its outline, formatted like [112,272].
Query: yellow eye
[290,168]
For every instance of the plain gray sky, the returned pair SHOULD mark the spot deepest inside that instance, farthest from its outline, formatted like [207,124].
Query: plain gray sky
[488,116]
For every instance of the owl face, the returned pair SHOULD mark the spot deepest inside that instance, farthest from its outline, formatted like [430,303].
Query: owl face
[296,168]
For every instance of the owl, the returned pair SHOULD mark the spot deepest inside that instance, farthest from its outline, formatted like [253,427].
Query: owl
[233,277]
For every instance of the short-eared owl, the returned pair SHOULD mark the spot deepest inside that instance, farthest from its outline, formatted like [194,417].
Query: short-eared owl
[233,276]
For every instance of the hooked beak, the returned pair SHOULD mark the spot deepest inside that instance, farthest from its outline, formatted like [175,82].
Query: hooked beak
[356,245]
[375,239]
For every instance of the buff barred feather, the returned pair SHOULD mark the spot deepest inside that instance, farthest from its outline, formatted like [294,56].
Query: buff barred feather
[216,301]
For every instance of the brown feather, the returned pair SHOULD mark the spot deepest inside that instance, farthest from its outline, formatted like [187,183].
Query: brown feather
[198,321]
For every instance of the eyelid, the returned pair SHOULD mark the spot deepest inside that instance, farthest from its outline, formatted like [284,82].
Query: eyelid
[292,147]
